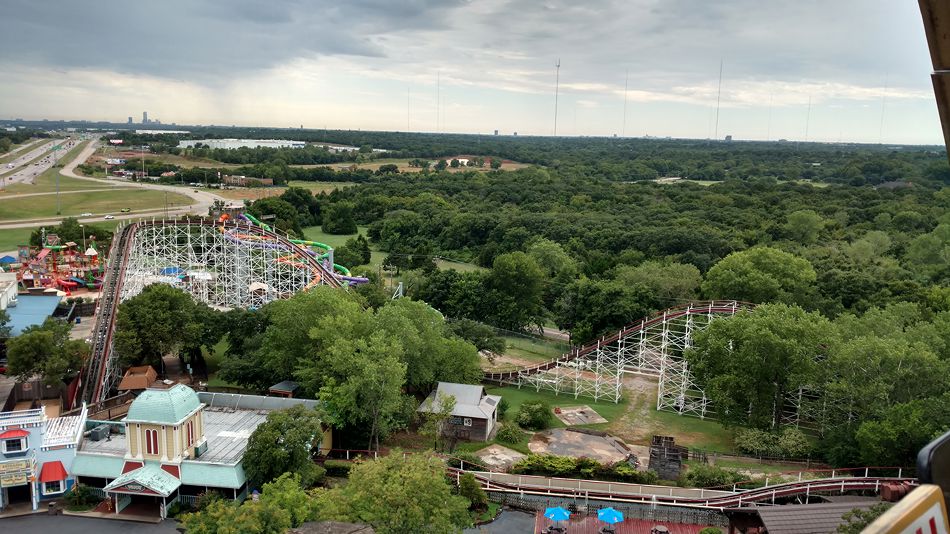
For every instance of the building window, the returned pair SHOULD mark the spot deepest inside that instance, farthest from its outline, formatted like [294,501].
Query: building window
[14,445]
[151,441]
[56,486]
[467,421]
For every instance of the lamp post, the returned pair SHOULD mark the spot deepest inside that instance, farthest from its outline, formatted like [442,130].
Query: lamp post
[83,237]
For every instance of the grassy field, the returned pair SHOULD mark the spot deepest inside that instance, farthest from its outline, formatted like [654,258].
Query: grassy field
[13,237]
[516,397]
[94,202]
[536,350]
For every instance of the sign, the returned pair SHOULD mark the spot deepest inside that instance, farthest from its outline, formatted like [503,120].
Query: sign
[133,487]
[15,466]
[13,480]
[923,511]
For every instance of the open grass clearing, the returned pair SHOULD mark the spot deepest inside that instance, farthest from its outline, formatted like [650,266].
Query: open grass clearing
[518,396]
[535,350]
[109,201]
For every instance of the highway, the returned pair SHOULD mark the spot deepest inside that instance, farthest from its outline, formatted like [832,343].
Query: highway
[20,169]
[21,148]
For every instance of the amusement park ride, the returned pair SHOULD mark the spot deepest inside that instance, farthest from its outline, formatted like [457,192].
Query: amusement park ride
[57,266]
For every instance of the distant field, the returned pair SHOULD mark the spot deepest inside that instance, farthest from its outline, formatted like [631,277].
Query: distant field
[537,350]
[403,165]
[95,202]
[188,163]
[256,193]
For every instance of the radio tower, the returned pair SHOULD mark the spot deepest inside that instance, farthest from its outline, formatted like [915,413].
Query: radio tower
[557,81]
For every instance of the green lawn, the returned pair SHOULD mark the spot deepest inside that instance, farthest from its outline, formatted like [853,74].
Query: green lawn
[536,350]
[316,233]
[94,202]
[319,187]
[46,183]
[516,397]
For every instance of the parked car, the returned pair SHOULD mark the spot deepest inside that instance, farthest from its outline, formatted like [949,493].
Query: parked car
[86,214]
[126,210]
[109,217]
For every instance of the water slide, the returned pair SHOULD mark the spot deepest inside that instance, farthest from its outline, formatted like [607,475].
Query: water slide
[79,281]
[340,272]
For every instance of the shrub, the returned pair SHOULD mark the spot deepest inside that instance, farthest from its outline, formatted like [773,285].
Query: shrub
[79,495]
[705,476]
[793,443]
[503,406]
[509,433]
[206,499]
[710,530]
[756,442]
[568,467]
[789,443]
[535,415]
[337,468]
[471,490]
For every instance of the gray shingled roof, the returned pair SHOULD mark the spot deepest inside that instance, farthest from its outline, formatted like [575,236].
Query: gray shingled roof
[470,401]
[807,518]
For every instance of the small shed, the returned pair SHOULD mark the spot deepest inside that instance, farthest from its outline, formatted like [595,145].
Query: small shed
[138,378]
[287,388]
[475,414]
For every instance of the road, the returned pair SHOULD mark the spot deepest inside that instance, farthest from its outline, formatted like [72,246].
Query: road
[22,147]
[201,200]
[62,524]
[19,169]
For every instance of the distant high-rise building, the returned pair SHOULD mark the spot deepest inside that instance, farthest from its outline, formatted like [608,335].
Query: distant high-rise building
[496,132]
[130,119]
[144,117]
[728,138]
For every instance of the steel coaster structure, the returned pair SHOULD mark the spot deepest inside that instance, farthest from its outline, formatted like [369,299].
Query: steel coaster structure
[653,346]
[225,264]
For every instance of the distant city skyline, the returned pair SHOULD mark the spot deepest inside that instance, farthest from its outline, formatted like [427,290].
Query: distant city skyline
[789,69]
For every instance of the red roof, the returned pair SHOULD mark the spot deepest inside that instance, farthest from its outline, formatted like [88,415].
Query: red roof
[17,433]
[53,471]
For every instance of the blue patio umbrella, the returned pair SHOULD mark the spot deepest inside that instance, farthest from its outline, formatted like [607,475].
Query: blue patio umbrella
[609,515]
[8,259]
[557,514]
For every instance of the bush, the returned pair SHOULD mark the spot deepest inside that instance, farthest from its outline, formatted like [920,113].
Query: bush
[710,530]
[705,476]
[206,499]
[79,495]
[789,443]
[337,468]
[535,415]
[568,467]
[503,406]
[509,433]
[471,490]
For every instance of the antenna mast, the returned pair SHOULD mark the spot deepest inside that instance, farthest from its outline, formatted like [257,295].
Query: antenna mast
[626,78]
[718,95]
[557,82]
[438,99]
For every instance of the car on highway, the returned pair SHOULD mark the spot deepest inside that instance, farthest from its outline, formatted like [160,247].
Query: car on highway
[86,214]
[126,210]
[109,217]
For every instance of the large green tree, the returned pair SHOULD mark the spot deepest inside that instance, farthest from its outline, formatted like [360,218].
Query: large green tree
[397,494]
[284,443]
[46,350]
[761,274]
[515,290]
[748,363]
[158,321]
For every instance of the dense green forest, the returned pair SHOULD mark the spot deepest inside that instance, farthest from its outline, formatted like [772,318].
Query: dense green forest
[855,275]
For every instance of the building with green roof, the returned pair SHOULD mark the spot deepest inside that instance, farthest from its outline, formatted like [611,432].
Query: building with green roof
[175,444]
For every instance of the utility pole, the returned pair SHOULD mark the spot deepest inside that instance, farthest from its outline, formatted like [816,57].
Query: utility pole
[807,119]
[408,97]
[626,78]
[438,100]
[718,97]
[557,81]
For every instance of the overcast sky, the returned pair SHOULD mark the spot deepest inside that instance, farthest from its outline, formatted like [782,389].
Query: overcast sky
[853,70]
